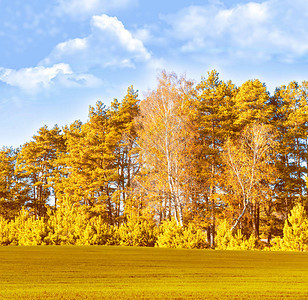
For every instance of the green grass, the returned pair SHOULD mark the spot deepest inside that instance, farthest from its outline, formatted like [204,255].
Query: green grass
[96,272]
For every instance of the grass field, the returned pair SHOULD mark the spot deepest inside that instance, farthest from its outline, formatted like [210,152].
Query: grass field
[96,272]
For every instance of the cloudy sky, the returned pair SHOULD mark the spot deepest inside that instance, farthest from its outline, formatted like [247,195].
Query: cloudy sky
[57,57]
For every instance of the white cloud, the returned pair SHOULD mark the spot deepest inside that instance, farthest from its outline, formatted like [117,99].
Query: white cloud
[270,29]
[143,34]
[88,8]
[35,79]
[114,28]
[72,45]
[77,80]
[72,63]
[109,44]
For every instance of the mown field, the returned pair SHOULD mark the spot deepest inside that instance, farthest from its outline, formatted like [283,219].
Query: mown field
[96,272]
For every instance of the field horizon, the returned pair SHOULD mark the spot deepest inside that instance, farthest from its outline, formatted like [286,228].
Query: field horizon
[104,272]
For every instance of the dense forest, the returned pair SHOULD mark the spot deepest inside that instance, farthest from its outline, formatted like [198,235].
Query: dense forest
[191,165]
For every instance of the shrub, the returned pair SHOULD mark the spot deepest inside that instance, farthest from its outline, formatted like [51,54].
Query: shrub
[193,238]
[295,230]
[169,234]
[66,225]
[172,235]
[223,236]
[5,239]
[226,241]
[137,233]
[100,233]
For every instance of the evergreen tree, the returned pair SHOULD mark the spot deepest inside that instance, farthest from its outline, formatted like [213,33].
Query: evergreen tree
[36,165]
[252,104]
[122,120]
[295,230]
[214,118]
[13,192]
[290,120]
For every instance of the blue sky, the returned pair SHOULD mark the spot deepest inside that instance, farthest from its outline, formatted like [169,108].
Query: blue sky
[57,57]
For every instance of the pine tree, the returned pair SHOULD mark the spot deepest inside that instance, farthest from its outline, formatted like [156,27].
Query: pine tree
[13,193]
[252,104]
[214,119]
[291,123]
[90,162]
[122,120]
[36,165]
[295,231]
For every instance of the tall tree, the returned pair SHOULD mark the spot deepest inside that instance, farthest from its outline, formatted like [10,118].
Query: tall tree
[291,122]
[123,120]
[100,160]
[13,192]
[36,164]
[250,174]
[252,104]
[164,139]
[214,117]
[90,161]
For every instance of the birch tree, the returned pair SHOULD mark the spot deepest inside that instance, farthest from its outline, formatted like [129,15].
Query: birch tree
[250,171]
[164,140]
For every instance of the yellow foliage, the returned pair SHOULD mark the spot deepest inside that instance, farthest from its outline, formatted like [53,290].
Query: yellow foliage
[4,232]
[172,235]
[67,224]
[226,241]
[100,233]
[137,233]
[295,231]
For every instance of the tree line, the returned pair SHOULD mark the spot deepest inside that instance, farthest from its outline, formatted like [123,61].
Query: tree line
[204,156]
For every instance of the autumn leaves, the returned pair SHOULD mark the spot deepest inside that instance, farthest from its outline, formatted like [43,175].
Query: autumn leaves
[195,154]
